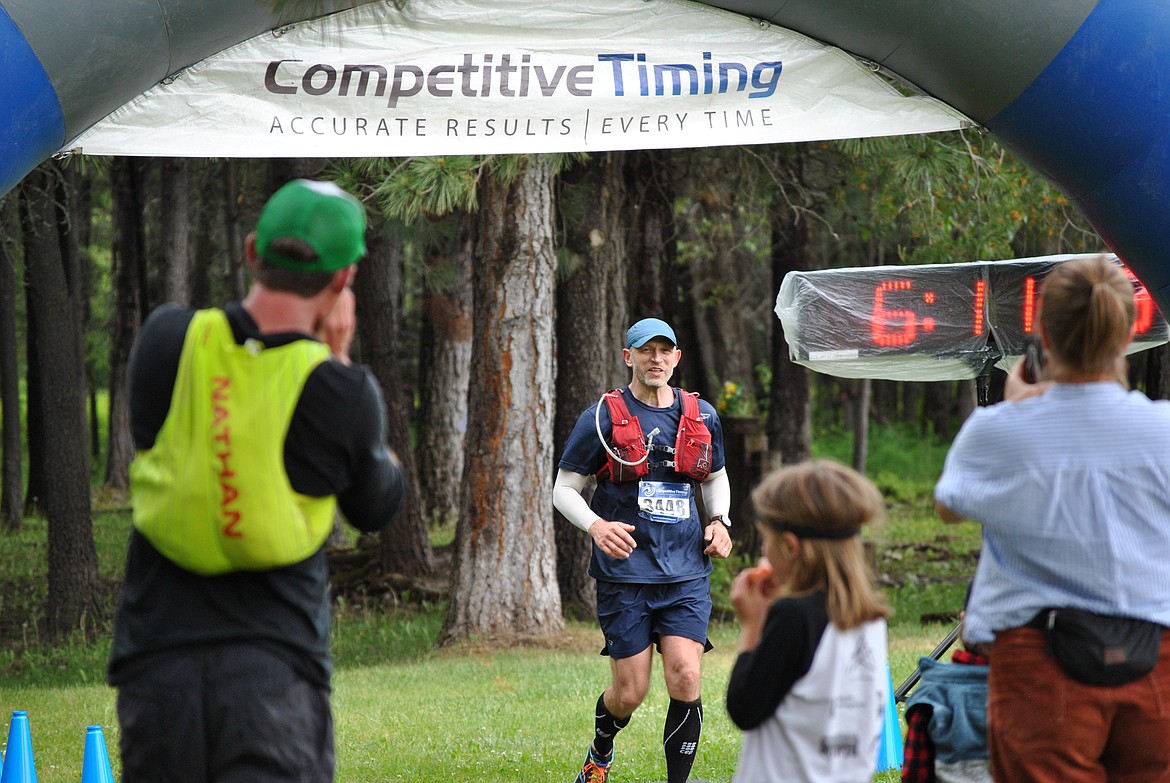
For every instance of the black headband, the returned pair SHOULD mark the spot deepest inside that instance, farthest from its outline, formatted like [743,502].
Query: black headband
[804,531]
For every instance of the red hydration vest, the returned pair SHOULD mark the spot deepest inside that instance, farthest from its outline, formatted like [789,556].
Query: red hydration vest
[692,447]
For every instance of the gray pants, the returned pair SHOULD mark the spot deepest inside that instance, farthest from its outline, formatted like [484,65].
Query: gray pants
[229,714]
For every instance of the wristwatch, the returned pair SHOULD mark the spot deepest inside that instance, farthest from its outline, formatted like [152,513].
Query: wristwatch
[720,518]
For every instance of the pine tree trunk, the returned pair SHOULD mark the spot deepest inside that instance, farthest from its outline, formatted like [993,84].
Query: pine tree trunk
[233,233]
[73,572]
[651,235]
[968,400]
[595,241]
[444,375]
[38,478]
[912,396]
[78,199]
[885,401]
[505,579]
[206,240]
[176,217]
[11,470]
[1157,376]
[790,402]
[129,263]
[404,546]
[861,425]
[937,408]
[654,278]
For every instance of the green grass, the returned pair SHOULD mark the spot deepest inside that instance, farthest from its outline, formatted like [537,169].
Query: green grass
[406,711]
[521,715]
[510,715]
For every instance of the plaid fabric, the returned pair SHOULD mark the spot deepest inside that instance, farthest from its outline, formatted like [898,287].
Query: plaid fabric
[966,656]
[918,749]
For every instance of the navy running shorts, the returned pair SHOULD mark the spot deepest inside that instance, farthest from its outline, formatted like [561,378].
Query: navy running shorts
[632,616]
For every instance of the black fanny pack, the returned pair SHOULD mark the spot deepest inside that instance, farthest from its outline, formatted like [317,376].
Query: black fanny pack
[1099,649]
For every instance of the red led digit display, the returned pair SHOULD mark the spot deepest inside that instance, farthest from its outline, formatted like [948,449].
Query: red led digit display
[979,304]
[1029,318]
[891,327]
[970,314]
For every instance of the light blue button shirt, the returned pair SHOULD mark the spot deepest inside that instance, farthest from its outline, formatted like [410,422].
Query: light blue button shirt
[1073,491]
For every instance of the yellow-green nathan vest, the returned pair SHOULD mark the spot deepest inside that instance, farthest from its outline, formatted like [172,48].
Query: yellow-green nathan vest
[212,494]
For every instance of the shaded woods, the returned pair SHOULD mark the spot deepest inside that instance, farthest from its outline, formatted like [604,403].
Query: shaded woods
[491,309]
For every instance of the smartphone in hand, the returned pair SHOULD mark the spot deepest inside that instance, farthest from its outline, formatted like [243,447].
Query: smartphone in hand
[1033,359]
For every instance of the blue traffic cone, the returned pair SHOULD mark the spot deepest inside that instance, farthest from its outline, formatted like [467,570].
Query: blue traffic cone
[19,766]
[95,768]
[890,750]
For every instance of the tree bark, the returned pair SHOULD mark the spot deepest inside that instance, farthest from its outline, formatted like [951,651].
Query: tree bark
[176,217]
[404,546]
[38,478]
[790,401]
[653,276]
[592,330]
[74,197]
[968,399]
[937,408]
[73,572]
[651,234]
[886,396]
[11,470]
[129,265]
[912,397]
[1157,375]
[861,425]
[206,243]
[505,580]
[237,282]
[444,375]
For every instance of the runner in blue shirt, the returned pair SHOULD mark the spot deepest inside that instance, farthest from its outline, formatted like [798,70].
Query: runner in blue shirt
[651,548]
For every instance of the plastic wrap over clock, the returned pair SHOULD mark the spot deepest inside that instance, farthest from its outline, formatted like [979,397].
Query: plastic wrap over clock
[930,322]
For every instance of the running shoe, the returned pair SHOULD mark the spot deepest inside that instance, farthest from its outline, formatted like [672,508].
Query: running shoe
[595,769]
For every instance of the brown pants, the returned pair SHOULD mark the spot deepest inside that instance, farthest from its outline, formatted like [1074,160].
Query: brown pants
[1044,727]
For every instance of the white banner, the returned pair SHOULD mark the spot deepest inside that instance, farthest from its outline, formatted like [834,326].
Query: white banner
[441,77]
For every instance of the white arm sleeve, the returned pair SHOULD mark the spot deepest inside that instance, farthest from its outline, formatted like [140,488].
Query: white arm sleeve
[568,500]
[717,494]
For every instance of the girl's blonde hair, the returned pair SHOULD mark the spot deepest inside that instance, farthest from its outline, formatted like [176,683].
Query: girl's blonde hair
[1087,309]
[825,504]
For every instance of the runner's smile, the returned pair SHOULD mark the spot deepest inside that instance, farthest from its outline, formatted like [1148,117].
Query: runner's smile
[654,362]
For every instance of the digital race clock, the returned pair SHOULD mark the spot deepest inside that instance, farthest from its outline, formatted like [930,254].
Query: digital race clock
[926,322]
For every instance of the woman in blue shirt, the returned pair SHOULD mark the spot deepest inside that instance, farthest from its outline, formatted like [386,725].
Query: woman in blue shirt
[1069,481]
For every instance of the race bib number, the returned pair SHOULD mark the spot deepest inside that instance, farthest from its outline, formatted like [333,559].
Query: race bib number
[663,501]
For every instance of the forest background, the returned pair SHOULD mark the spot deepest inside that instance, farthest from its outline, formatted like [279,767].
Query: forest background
[492,308]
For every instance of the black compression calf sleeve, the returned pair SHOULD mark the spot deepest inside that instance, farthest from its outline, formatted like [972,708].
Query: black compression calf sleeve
[607,726]
[680,738]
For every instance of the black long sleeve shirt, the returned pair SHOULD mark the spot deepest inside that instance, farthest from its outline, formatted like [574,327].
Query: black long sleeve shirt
[335,445]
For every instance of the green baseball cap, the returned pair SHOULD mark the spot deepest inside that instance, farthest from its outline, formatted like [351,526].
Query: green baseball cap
[320,214]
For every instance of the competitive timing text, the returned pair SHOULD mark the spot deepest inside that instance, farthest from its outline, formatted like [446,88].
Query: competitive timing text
[481,76]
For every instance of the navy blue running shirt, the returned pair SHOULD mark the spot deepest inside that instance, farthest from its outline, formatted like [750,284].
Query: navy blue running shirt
[666,552]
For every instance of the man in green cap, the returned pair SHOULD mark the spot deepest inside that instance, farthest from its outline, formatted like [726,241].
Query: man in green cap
[252,429]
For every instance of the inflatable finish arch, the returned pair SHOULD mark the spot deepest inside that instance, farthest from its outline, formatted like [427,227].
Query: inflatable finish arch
[1078,89]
